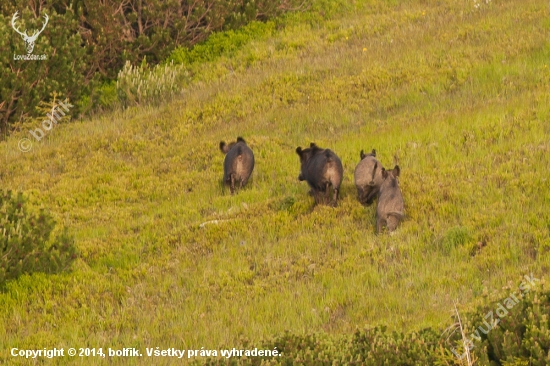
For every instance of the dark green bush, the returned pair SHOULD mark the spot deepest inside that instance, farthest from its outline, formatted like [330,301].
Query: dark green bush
[522,337]
[522,333]
[88,42]
[26,245]
[24,84]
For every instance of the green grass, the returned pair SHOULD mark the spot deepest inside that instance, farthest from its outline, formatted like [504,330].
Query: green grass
[457,96]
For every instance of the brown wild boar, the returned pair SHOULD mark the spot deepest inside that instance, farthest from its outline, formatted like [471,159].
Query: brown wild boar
[390,209]
[238,164]
[368,178]
[321,168]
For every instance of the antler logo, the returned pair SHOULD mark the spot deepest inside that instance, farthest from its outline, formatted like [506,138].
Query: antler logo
[29,40]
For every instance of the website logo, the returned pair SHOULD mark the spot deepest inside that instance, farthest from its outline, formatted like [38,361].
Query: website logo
[29,40]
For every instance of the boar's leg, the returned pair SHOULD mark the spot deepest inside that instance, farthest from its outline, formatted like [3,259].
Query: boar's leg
[232,186]
[317,194]
[371,196]
[360,193]
[379,224]
[336,192]
[327,193]
[245,180]
[334,202]
[392,222]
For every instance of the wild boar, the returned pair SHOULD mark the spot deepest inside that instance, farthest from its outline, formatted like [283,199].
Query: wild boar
[238,164]
[390,209]
[368,178]
[321,168]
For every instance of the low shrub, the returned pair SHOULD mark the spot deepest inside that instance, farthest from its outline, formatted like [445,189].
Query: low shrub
[222,44]
[26,242]
[521,337]
[138,85]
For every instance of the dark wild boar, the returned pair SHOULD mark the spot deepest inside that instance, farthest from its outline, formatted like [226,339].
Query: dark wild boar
[238,163]
[321,168]
[390,209]
[368,178]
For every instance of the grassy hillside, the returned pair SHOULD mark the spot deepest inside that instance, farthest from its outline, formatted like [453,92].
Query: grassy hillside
[457,94]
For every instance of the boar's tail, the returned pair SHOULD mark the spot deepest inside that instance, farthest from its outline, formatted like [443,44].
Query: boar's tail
[374,172]
[328,156]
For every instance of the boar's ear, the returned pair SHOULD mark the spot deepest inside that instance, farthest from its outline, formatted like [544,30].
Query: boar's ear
[362,155]
[299,150]
[223,147]
[240,139]
[312,144]
[384,173]
[373,153]
[396,171]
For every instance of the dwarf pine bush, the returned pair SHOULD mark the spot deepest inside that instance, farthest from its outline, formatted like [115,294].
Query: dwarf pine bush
[522,337]
[143,84]
[517,332]
[25,244]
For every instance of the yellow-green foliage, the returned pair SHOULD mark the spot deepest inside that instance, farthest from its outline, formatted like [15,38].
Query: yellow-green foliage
[457,95]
